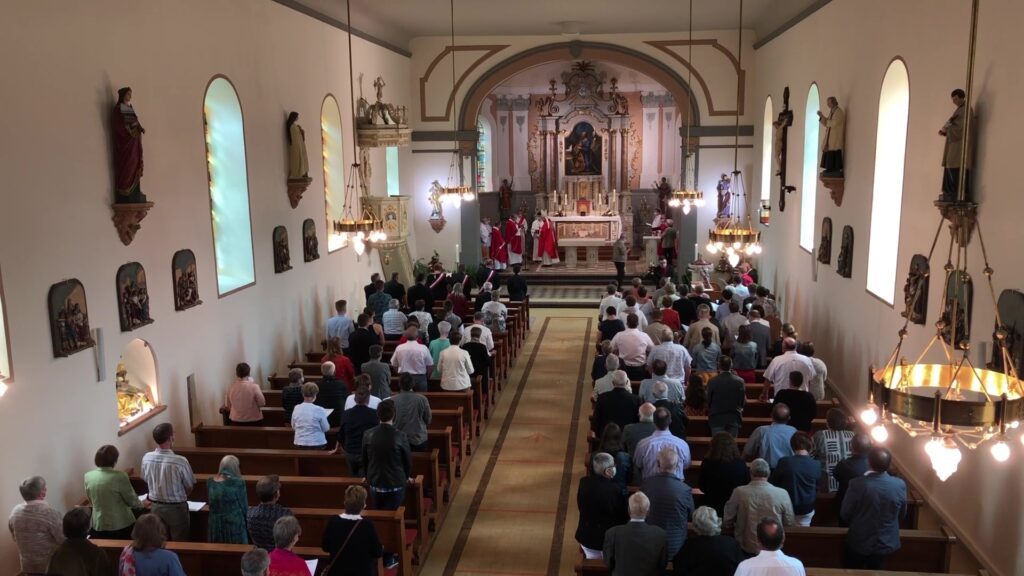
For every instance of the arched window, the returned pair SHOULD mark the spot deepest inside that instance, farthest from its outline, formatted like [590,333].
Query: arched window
[809,190]
[483,155]
[766,151]
[887,191]
[229,187]
[334,168]
[391,163]
[5,343]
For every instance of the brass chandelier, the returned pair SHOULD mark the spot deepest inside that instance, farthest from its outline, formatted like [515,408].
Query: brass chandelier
[453,191]
[954,403]
[368,227]
[690,195]
[735,236]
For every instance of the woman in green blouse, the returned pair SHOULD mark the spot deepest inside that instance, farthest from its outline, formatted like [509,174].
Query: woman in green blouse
[228,504]
[114,502]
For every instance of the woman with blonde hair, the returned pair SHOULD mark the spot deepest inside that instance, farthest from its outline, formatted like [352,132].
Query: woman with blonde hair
[228,504]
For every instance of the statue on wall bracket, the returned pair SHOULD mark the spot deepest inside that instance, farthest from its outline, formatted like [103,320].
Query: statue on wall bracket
[436,219]
[132,297]
[915,290]
[780,129]
[130,204]
[298,161]
[282,256]
[832,155]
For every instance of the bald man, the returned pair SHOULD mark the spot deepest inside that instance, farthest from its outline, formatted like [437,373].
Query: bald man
[771,442]
[776,376]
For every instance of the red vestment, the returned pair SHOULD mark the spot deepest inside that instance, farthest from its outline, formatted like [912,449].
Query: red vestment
[513,236]
[547,241]
[498,251]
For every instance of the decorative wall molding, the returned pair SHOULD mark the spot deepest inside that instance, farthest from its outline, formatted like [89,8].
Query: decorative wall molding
[317,15]
[488,51]
[515,103]
[444,135]
[666,45]
[653,100]
[717,131]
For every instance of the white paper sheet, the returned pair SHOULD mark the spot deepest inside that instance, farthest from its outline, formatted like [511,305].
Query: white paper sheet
[311,564]
[195,506]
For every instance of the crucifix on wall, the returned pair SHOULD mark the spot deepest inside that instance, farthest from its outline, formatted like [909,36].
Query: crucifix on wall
[780,129]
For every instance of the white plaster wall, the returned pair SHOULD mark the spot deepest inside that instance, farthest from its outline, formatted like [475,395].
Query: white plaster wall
[846,48]
[62,63]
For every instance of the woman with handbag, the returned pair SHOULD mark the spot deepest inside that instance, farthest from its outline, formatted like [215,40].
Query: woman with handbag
[351,540]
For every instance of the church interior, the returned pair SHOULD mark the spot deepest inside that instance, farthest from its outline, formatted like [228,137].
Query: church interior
[839,154]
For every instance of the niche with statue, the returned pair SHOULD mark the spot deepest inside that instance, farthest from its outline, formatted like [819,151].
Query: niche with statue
[135,383]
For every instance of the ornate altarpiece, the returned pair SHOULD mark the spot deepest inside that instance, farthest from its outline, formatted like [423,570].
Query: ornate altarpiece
[582,147]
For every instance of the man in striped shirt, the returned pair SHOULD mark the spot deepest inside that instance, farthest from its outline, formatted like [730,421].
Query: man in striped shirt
[35,527]
[170,479]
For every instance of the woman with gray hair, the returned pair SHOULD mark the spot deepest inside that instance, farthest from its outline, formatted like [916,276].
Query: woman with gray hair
[228,504]
[310,421]
[708,553]
[602,504]
[282,559]
[255,562]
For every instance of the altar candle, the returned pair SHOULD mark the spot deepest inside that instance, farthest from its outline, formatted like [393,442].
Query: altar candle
[695,251]
[456,254]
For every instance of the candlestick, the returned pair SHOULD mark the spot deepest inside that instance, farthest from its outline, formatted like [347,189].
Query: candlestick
[456,254]
[695,251]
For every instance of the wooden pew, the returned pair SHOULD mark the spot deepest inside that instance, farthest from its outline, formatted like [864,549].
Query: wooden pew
[698,425]
[389,524]
[256,461]
[322,492]
[822,547]
[199,558]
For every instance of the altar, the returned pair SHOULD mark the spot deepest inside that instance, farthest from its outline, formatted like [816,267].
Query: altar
[590,232]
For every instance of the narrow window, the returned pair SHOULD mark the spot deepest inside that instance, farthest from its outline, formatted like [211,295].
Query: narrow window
[887,191]
[809,191]
[334,168]
[229,187]
[766,151]
[391,162]
[5,343]
[483,155]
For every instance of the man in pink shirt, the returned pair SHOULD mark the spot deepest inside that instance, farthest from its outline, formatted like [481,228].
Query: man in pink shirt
[632,346]
[244,399]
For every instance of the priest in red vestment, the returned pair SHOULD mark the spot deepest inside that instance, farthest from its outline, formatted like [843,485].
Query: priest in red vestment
[499,250]
[514,239]
[547,242]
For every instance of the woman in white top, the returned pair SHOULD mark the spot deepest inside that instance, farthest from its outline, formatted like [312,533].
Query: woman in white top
[310,421]
[455,366]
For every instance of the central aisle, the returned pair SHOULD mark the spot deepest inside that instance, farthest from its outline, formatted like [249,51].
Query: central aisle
[515,512]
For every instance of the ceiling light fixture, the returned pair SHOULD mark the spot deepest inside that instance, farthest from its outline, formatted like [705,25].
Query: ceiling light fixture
[690,195]
[955,403]
[454,191]
[735,236]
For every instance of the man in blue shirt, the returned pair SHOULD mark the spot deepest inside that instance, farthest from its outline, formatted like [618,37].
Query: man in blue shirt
[873,506]
[799,475]
[771,442]
[340,326]
[379,301]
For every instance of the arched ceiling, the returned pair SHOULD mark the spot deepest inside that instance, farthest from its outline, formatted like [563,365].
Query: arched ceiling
[536,80]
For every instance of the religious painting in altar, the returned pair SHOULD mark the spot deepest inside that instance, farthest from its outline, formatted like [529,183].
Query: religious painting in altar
[583,151]
[1011,314]
[186,282]
[132,297]
[585,230]
[69,318]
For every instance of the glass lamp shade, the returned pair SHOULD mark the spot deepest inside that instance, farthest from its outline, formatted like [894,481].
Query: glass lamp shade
[1001,451]
[879,433]
[944,454]
[869,416]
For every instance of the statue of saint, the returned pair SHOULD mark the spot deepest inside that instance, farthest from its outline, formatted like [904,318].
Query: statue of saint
[835,134]
[664,193]
[298,163]
[436,210]
[724,197]
[952,152]
[127,150]
[379,85]
[505,197]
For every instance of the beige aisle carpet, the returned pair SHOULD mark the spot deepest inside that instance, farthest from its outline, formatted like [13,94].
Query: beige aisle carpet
[515,511]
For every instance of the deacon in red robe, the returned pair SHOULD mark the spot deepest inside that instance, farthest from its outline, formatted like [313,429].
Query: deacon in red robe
[547,243]
[514,239]
[499,250]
